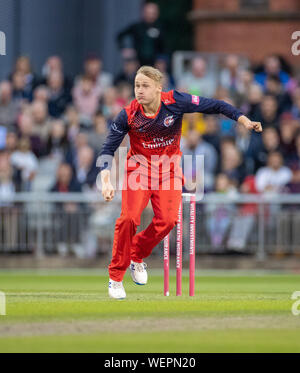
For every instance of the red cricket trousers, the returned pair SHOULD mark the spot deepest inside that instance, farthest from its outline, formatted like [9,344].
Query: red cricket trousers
[131,246]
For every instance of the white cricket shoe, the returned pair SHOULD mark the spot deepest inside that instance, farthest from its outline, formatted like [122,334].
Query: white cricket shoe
[116,289]
[138,273]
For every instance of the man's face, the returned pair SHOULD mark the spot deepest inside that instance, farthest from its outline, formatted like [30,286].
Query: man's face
[275,161]
[92,68]
[64,174]
[150,13]
[270,138]
[39,111]
[146,90]
[272,65]
[198,67]
[269,105]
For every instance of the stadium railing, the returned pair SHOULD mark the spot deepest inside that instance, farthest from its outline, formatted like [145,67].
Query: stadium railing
[83,224]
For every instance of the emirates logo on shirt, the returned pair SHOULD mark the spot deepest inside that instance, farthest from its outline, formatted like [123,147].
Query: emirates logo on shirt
[169,121]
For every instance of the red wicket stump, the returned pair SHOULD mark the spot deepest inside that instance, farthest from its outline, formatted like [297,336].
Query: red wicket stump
[192,231]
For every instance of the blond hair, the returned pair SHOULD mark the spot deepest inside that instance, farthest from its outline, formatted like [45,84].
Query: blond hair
[151,73]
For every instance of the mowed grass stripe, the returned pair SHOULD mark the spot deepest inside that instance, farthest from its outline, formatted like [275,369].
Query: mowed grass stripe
[147,324]
[262,340]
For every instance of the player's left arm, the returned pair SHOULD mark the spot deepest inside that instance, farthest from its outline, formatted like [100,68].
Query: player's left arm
[191,104]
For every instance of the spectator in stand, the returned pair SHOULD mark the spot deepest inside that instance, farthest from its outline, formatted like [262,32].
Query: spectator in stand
[222,93]
[23,66]
[296,103]
[97,136]
[73,123]
[41,93]
[19,87]
[41,120]
[220,215]
[288,128]
[231,75]
[8,211]
[161,63]
[273,177]
[57,145]
[242,138]
[294,162]
[129,69]
[124,94]
[93,70]
[275,88]
[85,168]
[9,108]
[69,229]
[272,66]
[268,112]
[193,146]
[86,96]
[109,103]
[197,81]
[254,97]
[81,140]
[52,64]
[26,163]
[25,128]
[59,97]
[245,83]
[9,214]
[212,129]
[270,142]
[231,163]
[248,145]
[65,181]
[244,221]
[145,39]
[11,143]
[294,165]
[7,187]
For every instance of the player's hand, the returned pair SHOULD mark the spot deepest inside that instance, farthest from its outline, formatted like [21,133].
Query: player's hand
[108,191]
[250,125]
[256,126]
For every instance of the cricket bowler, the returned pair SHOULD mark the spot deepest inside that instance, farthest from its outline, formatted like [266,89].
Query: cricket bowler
[153,122]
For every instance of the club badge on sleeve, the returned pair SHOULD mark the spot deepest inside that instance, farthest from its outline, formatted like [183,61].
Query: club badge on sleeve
[169,121]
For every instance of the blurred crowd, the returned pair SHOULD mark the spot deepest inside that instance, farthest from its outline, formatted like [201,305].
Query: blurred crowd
[270,94]
[53,125]
[51,115]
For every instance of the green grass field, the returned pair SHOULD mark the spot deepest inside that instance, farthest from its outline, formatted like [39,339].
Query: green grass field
[69,311]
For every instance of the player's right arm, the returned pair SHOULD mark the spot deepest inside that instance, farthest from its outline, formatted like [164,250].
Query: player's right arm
[118,131]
